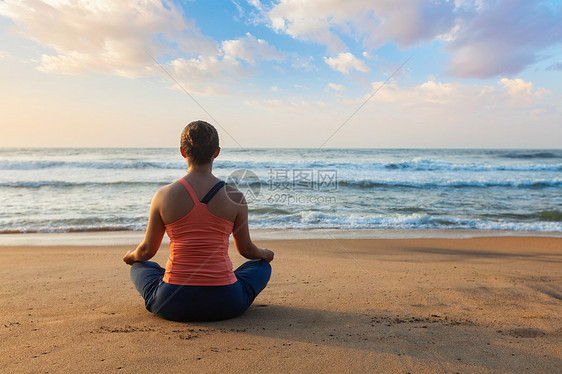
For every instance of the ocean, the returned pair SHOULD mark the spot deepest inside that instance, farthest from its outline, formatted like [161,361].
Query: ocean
[95,189]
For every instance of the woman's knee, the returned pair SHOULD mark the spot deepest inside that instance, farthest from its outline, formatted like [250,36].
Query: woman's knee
[257,263]
[145,273]
[266,268]
[149,266]
[261,267]
[262,270]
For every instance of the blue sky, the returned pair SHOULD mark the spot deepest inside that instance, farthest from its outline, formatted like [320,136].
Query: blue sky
[282,73]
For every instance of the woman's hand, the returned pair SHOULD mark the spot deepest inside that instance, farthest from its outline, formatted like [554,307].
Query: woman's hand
[129,258]
[267,254]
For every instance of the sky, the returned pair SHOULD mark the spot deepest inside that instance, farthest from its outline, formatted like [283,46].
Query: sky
[284,73]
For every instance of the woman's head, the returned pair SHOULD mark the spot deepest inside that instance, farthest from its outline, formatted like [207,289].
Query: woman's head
[199,142]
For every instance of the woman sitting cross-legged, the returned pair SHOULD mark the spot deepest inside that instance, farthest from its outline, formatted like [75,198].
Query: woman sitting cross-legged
[199,212]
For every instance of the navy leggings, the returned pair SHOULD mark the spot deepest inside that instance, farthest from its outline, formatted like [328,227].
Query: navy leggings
[199,303]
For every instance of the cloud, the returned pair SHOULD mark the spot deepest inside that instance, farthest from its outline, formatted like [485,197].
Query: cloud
[256,4]
[474,115]
[503,38]
[105,36]
[555,67]
[303,63]
[484,38]
[519,86]
[293,105]
[207,75]
[336,87]
[298,19]
[509,93]
[4,55]
[427,93]
[406,23]
[511,112]
[250,49]
[346,62]
[521,92]
[216,74]
[122,37]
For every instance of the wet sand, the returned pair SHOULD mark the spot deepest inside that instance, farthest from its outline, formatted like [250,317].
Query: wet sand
[475,305]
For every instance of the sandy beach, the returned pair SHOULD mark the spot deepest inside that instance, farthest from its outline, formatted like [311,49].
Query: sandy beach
[477,305]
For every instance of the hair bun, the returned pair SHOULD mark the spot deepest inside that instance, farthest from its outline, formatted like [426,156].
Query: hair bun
[193,136]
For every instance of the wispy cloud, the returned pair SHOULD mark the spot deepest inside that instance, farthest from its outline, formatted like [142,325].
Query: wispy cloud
[105,36]
[250,49]
[555,67]
[453,96]
[503,37]
[303,63]
[522,93]
[207,75]
[346,62]
[336,87]
[406,22]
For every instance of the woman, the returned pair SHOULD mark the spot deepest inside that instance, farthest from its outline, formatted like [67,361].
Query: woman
[199,213]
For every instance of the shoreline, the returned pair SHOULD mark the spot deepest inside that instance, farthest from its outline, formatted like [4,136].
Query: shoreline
[125,238]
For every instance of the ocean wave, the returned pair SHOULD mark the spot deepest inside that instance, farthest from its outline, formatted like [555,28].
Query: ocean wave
[65,184]
[304,220]
[121,164]
[75,224]
[415,164]
[549,215]
[282,186]
[67,229]
[366,183]
[321,220]
[426,164]
[271,210]
[530,154]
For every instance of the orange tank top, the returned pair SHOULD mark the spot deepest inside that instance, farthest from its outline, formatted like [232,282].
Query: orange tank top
[199,247]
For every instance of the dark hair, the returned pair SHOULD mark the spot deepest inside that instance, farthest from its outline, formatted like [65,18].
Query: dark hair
[199,141]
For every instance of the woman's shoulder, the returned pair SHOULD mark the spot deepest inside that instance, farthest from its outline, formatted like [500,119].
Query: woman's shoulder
[169,187]
[234,194]
[169,190]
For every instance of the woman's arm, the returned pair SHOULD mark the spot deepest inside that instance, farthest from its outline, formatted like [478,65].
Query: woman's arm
[154,234]
[241,232]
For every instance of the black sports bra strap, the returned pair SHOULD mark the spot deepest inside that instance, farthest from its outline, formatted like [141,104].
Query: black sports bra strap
[212,192]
